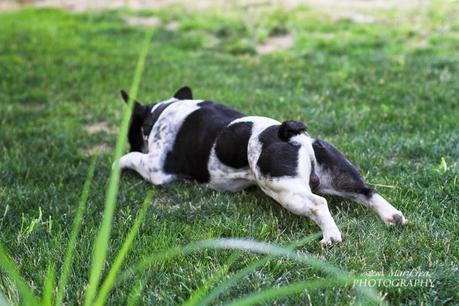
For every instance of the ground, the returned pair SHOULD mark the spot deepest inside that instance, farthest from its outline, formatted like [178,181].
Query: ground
[383,88]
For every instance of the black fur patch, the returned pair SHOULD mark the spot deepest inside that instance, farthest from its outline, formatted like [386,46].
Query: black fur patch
[231,146]
[184,93]
[278,157]
[290,128]
[139,113]
[345,176]
[190,154]
[314,180]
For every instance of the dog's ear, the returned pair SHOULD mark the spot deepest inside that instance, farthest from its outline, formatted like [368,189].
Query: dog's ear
[138,108]
[184,93]
[124,95]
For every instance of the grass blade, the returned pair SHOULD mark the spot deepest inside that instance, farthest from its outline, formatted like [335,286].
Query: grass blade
[253,267]
[9,267]
[134,296]
[199,293]
[110,279]
[250,269]
[103,235]
[49,286]
[243,245]
[68,259]
[277,251]
[283,291]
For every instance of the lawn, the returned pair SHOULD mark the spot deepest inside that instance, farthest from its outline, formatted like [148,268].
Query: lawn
[385,92]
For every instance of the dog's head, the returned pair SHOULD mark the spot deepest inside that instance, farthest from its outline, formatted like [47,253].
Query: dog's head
[140,122]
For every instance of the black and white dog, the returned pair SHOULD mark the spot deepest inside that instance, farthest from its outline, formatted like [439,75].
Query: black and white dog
[183,138]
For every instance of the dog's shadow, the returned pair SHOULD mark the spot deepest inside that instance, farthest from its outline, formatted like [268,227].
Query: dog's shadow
[188,202]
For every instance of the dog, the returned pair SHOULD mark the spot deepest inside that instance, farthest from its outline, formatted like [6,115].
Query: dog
[212,144]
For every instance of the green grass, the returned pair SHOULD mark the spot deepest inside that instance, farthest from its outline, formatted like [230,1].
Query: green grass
[386,93]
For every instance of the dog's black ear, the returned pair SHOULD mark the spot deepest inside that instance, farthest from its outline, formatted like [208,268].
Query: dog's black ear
[290,128]
[184,93]
[124,95]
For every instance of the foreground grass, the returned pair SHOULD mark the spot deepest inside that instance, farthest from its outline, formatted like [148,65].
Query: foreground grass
[385,93]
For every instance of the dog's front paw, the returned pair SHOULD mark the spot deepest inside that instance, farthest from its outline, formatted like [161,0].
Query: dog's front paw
[395,218]
[330,238]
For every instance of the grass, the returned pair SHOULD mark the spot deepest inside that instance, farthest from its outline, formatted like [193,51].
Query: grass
[385,93]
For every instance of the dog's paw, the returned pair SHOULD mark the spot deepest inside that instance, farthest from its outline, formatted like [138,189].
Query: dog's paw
[388,213]
[331,238]
[395,219]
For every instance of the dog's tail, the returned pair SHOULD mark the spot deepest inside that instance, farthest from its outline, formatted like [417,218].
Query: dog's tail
[291,128]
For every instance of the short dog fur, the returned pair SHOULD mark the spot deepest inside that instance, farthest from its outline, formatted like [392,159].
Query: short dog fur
[199,140]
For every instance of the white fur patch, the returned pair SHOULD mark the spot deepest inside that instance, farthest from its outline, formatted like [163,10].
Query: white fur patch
[388,213]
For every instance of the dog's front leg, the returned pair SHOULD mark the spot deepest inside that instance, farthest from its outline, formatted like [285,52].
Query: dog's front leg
[146,166]
[307,204]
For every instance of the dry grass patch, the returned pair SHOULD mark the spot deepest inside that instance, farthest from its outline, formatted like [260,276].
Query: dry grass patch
[142,21]
[99,148]
[275,43]
[172,26]
[99,127]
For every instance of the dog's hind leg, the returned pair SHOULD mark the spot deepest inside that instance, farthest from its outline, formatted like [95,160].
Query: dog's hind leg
[338,176]
[293,195]
[147,166]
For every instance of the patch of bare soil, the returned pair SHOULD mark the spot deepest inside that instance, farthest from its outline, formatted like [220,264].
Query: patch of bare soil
[354,17]
[99,148]
[9,6]
[172,26]
[98,127]
[275,43]
[142,21]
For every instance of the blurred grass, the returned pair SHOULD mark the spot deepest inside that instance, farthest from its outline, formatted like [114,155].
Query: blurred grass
[384,92]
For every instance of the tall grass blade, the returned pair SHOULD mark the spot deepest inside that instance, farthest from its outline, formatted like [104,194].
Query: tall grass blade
[250,269]
[134,296]
[237,244]
[284,291]
[9,267]
[49,286]
[68,259]
[242,245]
[199,293]
[103,235]
[110,279]
[253,267]
[277,251]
